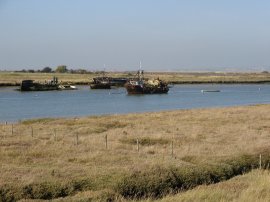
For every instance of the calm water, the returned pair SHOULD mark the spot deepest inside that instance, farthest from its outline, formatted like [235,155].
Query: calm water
[15,105]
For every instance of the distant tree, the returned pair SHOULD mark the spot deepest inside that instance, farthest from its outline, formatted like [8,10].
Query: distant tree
[72,71]
[61,69]
[82,71]
[265,72]
[46,70]
[77,71]
[31,71]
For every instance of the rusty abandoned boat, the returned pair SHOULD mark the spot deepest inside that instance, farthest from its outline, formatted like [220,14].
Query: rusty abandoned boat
[140,85]
[107,82]
[100,83]
[30,85]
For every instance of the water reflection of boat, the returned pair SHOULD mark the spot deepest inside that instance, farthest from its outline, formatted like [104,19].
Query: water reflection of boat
[30,85]
[140,85]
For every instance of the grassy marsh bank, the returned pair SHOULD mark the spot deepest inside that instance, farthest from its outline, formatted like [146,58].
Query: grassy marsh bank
[14,78]
[69,158]
[250,187]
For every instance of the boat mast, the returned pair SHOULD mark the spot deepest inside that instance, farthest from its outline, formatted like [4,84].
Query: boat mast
[140,73]
[104,67]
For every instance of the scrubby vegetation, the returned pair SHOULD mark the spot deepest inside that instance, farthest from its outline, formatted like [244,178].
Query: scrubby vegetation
[253,186]
[160,181]
[43,190]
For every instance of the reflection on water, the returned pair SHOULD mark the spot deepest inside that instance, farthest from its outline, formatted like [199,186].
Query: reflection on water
[15,105]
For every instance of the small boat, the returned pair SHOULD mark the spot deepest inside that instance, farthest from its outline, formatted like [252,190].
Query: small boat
[107,82]
[140,85]
[67,87]
[210,91]
[30,85]
[100,83]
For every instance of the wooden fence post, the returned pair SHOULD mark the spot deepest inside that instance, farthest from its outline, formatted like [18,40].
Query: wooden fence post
[11,129]
[106,141]
[77,139]
[138,148]
[260,162]
[172,148]
[32,131]
[54,135]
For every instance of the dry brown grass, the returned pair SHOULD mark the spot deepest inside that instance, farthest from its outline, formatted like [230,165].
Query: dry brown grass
[201,135]
[211,77]
[175,77]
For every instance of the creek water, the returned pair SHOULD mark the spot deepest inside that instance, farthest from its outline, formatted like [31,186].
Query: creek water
[16,105]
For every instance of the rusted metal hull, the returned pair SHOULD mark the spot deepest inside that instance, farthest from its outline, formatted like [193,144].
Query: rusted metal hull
[142,89]
[100,86]
[29,85]
[107,82]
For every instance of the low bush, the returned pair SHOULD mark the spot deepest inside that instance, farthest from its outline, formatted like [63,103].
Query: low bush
[9,194]
[159,181]
[155,182]
[44,190]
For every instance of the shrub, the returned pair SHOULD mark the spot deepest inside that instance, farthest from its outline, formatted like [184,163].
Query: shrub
[44,190]
[8,194]
[158,181]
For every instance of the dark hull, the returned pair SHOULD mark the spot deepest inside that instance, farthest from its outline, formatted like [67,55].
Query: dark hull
[100,86]
[138,89]
[39,87]
[30,85]
[118,81]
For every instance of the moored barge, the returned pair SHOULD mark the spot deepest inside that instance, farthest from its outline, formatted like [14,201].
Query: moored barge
[30,85]
[107,82]
[100,83]
[140,85]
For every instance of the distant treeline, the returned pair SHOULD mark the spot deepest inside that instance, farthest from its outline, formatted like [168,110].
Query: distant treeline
[59,69]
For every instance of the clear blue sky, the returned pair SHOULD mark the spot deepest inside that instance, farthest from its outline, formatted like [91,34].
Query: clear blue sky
[164,34]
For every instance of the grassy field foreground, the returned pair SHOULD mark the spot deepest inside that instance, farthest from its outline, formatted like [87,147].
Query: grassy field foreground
[15,78]
[176,151]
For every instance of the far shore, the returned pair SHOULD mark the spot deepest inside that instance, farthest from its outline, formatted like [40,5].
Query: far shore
[15,78]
